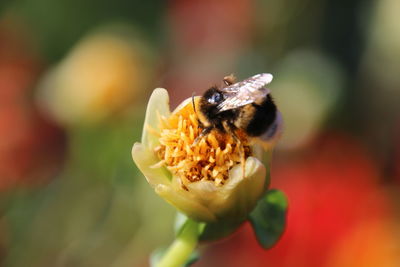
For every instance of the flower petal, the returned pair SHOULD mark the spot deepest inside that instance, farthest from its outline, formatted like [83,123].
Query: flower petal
[252,166]
[206,193]
[184,202]
[244,192]
[183,104]
[144,159]
[238,196]
[158,105]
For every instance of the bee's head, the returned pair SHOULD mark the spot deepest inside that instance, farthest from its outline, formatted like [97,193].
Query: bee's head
[213,96]
[209,104]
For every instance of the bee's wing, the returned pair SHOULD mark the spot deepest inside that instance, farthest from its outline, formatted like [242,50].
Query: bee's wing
[245,92]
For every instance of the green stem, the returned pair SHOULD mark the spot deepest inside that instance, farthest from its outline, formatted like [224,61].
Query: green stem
[183,246]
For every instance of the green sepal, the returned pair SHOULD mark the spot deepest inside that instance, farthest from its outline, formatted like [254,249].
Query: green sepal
[220,229]
[181,220]
[208,231]
[268,219]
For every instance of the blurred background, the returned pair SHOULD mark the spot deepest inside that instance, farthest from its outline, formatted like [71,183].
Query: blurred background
[75,77]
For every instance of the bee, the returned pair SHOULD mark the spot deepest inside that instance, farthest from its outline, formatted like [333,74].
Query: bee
[245,105]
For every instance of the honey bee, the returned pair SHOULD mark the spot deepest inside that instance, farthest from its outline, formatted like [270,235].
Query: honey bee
[245,105]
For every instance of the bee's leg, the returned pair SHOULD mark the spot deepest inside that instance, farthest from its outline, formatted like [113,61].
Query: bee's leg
[231,128]
[203,133]
[200,124]
[229,80]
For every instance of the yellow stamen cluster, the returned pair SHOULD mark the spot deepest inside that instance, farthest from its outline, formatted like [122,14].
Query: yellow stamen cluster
[193,158]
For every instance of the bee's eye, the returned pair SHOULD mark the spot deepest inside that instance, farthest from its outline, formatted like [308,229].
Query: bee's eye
[215,98]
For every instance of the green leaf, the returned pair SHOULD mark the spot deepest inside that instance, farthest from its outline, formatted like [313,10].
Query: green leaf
[269,218]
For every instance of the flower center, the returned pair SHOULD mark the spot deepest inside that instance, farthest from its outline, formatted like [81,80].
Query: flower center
[193,158]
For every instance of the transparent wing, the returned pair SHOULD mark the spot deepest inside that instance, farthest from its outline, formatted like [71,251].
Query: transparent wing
[245,92]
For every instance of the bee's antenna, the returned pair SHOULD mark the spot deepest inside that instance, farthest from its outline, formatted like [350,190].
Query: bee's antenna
[194,106]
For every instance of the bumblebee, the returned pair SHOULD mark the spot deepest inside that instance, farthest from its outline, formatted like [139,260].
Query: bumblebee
[246,106]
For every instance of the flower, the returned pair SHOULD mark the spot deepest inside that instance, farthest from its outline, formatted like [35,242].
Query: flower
[217,178]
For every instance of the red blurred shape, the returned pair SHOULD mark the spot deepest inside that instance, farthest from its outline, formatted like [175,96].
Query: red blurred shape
[31,148]
[395,161]
[211,25]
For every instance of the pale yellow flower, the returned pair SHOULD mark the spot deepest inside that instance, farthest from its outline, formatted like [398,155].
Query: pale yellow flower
[206,180]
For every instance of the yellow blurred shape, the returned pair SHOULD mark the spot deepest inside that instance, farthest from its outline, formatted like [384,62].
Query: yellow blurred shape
[101,75]
[382,54]
[306,88]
